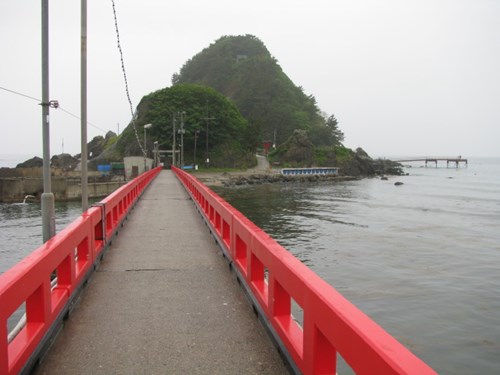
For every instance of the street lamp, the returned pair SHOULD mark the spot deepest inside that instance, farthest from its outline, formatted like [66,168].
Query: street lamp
[147,126]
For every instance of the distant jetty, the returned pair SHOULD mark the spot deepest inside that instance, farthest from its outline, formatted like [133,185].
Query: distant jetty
[456,162]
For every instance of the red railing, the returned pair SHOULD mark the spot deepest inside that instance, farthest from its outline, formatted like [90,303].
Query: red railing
[276,280]
[72,256]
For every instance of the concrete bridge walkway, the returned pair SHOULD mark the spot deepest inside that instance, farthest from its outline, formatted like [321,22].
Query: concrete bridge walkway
[163,302]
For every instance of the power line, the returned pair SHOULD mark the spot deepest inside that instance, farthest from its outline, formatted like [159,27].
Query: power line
[20,94]
[59,107]
[88,122]
[127,92]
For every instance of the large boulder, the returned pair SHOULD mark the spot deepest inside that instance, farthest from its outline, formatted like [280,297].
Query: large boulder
[65,162]
[34,162]
[98,145]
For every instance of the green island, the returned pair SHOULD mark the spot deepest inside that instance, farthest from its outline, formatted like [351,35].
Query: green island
[232,101]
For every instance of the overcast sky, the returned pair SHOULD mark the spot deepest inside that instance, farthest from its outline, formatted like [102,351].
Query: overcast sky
[403,77]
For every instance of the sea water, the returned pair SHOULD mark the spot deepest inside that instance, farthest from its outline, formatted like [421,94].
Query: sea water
[422,259]
[21,228]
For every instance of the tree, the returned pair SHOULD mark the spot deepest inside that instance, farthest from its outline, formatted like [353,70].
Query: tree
[230,138]
[337,134]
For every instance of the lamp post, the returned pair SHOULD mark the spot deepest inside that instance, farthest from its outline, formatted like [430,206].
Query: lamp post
[147,126]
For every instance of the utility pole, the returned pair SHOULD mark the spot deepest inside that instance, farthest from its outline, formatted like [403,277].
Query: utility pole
[173,142]
[206,118]
[147,126]
[83,106]
[48,210]
[182,131]
[195,139]
[155,152]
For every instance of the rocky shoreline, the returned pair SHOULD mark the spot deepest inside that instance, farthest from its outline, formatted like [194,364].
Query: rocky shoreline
[235,179]
[355,170]
[258,179]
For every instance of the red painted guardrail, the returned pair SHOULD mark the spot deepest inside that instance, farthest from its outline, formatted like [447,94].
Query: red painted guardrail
[275,278]
[72,256]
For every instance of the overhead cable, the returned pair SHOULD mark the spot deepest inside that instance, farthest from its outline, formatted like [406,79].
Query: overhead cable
[127,92]
[53,106]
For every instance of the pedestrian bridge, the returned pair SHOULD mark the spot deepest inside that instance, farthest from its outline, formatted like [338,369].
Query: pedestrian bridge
[164,276]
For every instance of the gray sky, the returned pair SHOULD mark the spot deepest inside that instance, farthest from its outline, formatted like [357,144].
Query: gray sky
[402,77]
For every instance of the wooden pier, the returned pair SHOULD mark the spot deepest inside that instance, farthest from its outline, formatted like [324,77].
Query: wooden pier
[453,161]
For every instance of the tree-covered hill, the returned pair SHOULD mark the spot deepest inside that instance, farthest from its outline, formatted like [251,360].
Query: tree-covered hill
[230,140]
[241,68]
[228,99]
[239,85]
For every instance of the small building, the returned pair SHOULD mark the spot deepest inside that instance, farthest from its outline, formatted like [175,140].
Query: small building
[118,168]
[134,166]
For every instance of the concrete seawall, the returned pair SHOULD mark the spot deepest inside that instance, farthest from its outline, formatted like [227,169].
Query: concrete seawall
[64,188]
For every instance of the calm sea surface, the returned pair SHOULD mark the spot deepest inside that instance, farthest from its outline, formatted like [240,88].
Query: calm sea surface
[21,228]
[421,259]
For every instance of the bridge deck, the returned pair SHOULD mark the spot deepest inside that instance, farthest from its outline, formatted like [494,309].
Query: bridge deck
[163,301]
